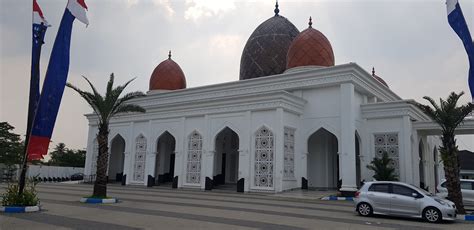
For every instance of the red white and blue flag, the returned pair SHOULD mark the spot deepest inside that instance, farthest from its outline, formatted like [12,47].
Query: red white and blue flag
[39,30]
[55,81]
[458,23]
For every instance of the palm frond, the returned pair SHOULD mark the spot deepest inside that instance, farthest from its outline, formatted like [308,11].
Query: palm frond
[127,108]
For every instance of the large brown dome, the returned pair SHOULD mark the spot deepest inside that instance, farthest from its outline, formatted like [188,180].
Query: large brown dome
[379,79]
[310,48]
[265,51]
[167,76]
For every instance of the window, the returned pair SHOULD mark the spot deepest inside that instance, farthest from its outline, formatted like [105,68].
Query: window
[443,185]
[379,188]
[466,185]
[402,190]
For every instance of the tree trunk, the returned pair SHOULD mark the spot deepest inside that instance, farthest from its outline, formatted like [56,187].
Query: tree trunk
[100,185]
[451,170]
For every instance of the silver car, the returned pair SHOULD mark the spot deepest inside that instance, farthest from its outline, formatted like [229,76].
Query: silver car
[401,199]
[467,190]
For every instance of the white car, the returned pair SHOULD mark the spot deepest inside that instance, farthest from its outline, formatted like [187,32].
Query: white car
[467,190]
[401,199]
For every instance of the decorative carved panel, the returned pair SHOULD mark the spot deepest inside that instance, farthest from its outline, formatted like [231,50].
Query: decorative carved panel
[193,175]
[264,154]
[388,142]
[140,156]
[289,153]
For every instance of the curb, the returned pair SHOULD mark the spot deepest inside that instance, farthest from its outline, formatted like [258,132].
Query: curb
[98,201]
[465,217]
[337,198]
[13,209]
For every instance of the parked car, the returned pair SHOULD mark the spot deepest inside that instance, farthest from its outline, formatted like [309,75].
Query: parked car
[467,190]
[77,176]
[401,199]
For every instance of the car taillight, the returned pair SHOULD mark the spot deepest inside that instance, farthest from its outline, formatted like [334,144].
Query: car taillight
[357,194]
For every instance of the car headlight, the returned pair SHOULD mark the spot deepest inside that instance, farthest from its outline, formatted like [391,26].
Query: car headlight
[442,202]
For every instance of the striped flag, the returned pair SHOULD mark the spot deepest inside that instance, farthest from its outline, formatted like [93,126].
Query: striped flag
[54,82]
[39,30]
[458,23]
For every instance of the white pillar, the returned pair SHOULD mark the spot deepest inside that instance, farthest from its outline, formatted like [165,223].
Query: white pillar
[406,152]
[278,157]
[347,141]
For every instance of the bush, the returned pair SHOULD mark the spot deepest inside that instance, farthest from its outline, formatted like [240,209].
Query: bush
[28,197]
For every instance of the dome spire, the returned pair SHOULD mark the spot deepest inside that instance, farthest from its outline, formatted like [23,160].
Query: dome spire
[310,23]
[169,55]
[276,8]
[373,71]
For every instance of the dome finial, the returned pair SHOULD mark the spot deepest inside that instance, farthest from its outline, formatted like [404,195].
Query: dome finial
[310,23]
[373,71]
[276,8]
[169,55]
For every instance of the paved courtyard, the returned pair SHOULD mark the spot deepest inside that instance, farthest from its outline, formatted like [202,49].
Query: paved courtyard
[164,208]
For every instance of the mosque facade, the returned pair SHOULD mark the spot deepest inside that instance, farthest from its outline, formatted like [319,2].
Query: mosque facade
[294,120]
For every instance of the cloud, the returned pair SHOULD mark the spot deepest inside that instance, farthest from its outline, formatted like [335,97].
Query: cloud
[165,4]
[197,9]
[225,45]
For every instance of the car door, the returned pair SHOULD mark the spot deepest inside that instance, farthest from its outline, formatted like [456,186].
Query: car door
[402,201]
[379,196]
[467,193]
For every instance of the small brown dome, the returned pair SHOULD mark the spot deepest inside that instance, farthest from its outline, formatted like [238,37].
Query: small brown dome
[167,76]
[379,78]
[310,48]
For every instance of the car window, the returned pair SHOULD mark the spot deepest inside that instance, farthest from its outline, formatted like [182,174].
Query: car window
[466,185]
[402,190]
[443,184]
[379,188]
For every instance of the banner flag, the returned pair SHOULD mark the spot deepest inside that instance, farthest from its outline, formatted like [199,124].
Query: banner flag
[39,30]
[458,23]
[55,81]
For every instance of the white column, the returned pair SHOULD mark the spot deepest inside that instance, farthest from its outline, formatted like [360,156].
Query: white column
[407,154]
[347,152]
[245,154]
[278,157]
[181,153]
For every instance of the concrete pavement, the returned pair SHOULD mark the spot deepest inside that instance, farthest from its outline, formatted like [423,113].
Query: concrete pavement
[164,208]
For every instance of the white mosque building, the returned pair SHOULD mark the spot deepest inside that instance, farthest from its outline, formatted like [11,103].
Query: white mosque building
[294,120]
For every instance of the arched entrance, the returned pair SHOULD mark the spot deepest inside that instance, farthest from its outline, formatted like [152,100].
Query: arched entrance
[435,159]
[165,159]
[357,158]
[421,165]
[323,160]
[117,157]
[226,160]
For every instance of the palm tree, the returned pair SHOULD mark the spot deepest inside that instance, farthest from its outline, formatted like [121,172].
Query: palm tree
[105,108]
[448,115]
[382,169]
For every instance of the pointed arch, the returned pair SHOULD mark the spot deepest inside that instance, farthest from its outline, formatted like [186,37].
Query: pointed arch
[165,158]
[116,158]
[193,172]
[421,163]
[323,160]
[357,158]
[264,157]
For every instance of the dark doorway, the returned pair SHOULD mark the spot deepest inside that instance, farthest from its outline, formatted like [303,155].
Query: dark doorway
[226,160]
[165,159]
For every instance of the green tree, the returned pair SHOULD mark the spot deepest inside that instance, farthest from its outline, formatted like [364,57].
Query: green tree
[62,156]
[382,169]
[105,107]
[448,116]
[11,146]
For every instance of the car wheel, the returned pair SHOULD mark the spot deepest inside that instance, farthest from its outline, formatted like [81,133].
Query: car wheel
[364,209]
[432,215]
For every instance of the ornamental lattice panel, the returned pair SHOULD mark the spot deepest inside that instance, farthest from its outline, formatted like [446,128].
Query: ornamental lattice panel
[289,153]
[95,154]
[264,152]
[140,155]
[388,142]
[193,175]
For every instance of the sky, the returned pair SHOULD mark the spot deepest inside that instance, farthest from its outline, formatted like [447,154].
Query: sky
[409,42]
